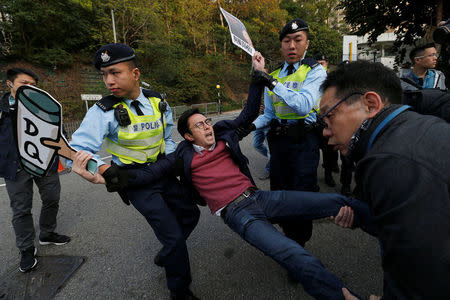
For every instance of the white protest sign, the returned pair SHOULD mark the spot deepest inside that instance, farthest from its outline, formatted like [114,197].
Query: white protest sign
[239,34]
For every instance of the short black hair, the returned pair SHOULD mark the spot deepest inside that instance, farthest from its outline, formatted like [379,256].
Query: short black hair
[183,126]
[364,76]
[419,50]
[11,74]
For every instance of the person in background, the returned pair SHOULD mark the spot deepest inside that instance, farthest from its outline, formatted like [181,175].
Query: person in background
[19,184]
[424,75]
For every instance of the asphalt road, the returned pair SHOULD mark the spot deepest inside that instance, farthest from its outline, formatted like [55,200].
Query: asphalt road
[119,247]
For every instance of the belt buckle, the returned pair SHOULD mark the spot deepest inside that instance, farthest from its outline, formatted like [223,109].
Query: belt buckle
[247,193]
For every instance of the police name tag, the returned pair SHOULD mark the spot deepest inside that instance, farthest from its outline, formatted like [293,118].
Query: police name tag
[39,135]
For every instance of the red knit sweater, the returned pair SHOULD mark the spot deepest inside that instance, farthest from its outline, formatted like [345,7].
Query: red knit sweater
[217,177]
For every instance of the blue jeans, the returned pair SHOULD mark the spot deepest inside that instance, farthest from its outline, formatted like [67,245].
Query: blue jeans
[252,219]
[259,137]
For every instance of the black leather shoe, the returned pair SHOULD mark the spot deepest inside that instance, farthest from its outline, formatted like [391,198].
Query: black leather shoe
[158,259]
[186,295]
[346,190]
[329,180]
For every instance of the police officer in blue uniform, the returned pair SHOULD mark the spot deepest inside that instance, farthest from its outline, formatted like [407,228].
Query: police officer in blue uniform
[291,101]
[136,126]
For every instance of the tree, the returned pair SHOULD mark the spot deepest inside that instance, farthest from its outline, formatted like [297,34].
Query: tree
[45,31]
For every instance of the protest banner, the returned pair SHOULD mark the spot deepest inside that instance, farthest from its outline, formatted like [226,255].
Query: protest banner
[239,34]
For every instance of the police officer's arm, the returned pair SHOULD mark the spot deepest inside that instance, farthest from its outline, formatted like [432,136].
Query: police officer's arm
[303,101]
[89,136]
[80,161]
[170,144]
[264,120]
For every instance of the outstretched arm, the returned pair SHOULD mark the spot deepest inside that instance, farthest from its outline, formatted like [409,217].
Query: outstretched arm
[80,160]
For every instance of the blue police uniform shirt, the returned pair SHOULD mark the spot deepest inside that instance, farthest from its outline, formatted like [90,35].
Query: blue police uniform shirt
[98,125]
[11,101]
[302,101]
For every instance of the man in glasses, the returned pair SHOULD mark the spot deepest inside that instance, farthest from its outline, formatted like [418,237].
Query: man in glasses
[402,172]
[211,164]
[423,75]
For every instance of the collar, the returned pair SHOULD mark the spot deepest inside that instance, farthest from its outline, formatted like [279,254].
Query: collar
[141,98]
[296,65]
[200,149]
[363,138]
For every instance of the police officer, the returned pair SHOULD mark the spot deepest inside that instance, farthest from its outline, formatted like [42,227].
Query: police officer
[291,100]
[136,125]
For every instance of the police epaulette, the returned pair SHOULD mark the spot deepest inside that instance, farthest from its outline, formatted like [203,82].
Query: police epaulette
[310,62]
[279,67]
[149,93]
[107,103]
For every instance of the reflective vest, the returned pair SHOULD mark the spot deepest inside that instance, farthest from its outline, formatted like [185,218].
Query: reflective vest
[141,141]
[293,82]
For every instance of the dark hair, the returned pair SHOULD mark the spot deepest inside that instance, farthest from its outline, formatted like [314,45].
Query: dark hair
[419,50]
[183,126]
[11,74]
[133,63]
[364,76]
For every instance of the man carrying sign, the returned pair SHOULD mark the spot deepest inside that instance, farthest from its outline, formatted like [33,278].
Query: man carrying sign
[19,183]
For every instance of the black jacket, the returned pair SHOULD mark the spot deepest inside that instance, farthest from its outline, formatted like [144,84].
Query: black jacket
[179,162]
[9,160]
[9,155]
[405,179]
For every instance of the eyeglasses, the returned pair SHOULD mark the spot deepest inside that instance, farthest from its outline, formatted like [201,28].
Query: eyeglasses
[201,124]
[320,119]
[429,55]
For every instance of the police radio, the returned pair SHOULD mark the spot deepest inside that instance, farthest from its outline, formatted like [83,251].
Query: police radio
[122,116]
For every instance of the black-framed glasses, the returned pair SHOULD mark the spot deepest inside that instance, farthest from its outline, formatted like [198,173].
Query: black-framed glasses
[321,118]
[201,124]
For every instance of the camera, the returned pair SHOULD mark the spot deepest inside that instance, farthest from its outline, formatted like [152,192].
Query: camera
[442,34]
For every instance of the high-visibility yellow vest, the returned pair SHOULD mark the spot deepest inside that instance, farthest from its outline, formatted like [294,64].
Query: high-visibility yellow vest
[142,140]
[293,82]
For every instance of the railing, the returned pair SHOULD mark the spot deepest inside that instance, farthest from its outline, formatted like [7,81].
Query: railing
[206,108]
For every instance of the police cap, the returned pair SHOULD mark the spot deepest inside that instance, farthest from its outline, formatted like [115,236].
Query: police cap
[293,26]
[112,54]
[320,56]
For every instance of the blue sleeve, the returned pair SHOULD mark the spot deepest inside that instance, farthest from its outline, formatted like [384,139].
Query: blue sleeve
[304,100]
[263,120]
[170,144]
[89,136]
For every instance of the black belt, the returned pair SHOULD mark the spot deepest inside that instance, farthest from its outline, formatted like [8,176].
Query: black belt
[247,193]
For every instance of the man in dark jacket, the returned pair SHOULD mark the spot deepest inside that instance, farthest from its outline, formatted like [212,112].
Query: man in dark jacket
[402,172]
[19,183]
[211,164]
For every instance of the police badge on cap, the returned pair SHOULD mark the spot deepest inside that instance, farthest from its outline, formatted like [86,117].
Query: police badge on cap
[112,54]
[293,26]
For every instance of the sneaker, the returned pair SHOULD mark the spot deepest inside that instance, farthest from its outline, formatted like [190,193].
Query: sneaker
[28,260]
[54,238]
